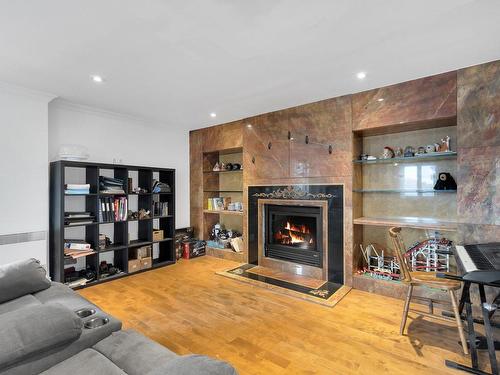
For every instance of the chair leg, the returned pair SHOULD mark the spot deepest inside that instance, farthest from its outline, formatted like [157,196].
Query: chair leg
[459,322]
[406,308]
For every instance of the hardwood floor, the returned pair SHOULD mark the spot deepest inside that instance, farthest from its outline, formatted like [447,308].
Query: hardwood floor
[189,309]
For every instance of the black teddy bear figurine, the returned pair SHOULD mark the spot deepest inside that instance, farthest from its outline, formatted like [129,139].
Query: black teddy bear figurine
[445,182]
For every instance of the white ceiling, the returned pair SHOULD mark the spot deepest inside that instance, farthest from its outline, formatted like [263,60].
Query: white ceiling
[175,61]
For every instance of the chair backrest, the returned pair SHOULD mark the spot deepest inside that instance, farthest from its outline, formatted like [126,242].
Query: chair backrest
[400,250]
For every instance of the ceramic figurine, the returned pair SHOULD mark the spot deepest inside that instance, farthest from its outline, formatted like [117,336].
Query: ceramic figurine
[216,167]
[387,153]
[445,144]
[409,152]
[430,149]
[421,150]
[228,167]
[398,152]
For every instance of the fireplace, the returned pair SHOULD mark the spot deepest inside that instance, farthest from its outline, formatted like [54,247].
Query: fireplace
[297,229]
[294,233]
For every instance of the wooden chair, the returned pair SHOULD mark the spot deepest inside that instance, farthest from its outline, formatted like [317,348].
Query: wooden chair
[428,279]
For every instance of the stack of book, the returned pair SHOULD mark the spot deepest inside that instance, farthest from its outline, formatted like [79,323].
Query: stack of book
[160,208]
[111,210]
[76,189]
[109,185]
[78,218]
[77,248]
[218,204]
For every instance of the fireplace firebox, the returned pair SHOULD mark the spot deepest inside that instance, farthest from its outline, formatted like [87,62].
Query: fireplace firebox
[294,233]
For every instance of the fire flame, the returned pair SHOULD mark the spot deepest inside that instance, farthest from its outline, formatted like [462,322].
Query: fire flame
[296,234]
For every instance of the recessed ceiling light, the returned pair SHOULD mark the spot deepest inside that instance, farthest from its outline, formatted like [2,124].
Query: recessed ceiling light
[97,78]
[380,99]
[213,114]
[249,125]
[361,75]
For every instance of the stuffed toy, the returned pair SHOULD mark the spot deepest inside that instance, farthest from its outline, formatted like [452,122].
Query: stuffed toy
[445,182]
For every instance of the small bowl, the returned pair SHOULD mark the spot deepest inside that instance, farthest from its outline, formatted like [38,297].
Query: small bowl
[96,323]
[85,312]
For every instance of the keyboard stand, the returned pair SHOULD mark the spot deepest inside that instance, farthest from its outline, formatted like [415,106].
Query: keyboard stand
[487,311]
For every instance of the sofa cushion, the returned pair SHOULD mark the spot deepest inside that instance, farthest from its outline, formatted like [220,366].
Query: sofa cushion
[86,362]
[29,331]
[20,278]
[133,352]
[60,293]
[15,304]
[194,365]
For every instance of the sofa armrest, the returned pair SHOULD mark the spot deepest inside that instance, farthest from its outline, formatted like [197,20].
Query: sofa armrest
[30,331]
[20,278]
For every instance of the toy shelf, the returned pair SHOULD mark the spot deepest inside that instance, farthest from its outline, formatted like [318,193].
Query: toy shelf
[408,222]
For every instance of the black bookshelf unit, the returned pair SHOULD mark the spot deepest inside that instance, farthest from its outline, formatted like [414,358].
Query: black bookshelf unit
[126,235]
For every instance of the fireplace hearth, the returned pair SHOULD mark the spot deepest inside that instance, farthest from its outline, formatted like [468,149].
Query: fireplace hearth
[294,233]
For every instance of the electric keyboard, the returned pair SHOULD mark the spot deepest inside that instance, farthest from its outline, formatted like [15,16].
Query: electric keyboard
[481,264]
[482,257]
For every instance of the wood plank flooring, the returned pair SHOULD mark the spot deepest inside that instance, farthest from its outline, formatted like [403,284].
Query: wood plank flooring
[189,309]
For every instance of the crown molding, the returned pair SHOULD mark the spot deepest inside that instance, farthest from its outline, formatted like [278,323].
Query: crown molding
[77,107]
[26,92]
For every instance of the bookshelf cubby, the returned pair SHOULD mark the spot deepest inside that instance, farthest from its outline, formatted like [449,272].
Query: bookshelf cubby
[126,235]
[222,184]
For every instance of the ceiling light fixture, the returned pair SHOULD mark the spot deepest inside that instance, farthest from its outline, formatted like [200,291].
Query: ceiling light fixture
[380,99]
[96,78]
[249,126]
[361,75]
[213,114]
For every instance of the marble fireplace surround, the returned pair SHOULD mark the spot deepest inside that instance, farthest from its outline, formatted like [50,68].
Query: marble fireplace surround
[329,198]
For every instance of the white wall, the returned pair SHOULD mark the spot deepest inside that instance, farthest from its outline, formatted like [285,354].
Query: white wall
[23,170]
[111,136]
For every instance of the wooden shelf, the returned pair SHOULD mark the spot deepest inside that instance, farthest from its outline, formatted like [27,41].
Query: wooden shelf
[163,240]
[404,191]
[231,171]
[225,212]
[81,195]
[112,248]
[408,222]
[136,243]
[80,225]
[413,159]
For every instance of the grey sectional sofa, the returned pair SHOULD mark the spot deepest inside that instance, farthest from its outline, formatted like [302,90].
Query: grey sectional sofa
[41,332]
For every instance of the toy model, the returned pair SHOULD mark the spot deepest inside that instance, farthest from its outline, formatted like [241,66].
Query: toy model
[378,265]
[431,255]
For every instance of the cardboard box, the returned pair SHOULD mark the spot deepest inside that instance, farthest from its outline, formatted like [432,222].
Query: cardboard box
[146,262]
[144,252]
[157,234]
[134,265]
[193,249]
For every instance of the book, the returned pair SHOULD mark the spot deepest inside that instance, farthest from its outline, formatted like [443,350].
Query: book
[76,245]
[76,192]
[77,215]
[77,186]
[70,223]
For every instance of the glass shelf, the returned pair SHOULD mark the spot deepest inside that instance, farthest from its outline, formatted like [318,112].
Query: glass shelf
[412,159]
[404,191]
